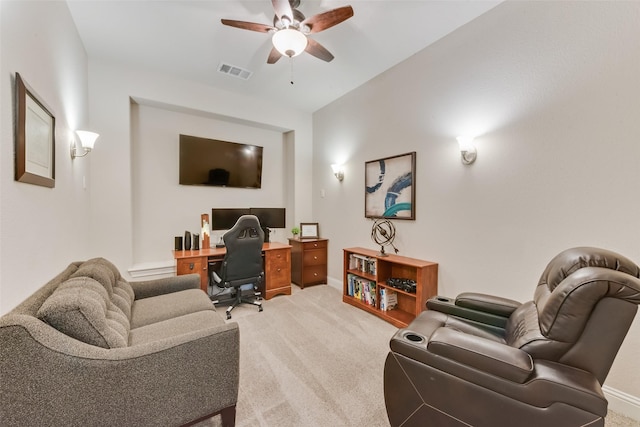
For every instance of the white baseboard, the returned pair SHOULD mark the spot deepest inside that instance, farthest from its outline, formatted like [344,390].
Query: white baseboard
[152,269]
[335,283]
[622,403]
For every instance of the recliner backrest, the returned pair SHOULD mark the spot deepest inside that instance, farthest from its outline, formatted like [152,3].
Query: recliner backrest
[243,259]
[574,282]
[582,309]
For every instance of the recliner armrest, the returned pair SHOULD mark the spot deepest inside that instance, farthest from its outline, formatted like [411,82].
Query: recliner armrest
[488,356]
[486,309]
[487,303]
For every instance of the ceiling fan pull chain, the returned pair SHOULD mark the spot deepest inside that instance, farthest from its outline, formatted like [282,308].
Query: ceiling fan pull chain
[291,63]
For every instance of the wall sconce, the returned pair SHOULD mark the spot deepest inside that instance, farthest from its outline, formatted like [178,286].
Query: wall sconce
[338,171]
[87,141]
[467,150]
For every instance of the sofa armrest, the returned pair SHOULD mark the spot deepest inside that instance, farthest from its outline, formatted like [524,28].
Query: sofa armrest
[487,356]
[487,309]
[52,378]
[151,288]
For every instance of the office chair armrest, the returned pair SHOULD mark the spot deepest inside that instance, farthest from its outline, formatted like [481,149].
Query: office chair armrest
[485,355]
[488,309]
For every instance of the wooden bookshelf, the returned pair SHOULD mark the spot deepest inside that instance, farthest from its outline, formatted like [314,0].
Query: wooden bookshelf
[365,275]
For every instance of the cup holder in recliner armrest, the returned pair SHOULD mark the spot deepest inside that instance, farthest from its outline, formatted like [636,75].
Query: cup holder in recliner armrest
[414,337]
[440,303]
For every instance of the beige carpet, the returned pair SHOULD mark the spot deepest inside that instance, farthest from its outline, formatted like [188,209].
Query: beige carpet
[310,360]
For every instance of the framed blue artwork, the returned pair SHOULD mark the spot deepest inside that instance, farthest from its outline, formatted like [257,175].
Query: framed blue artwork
[390,190]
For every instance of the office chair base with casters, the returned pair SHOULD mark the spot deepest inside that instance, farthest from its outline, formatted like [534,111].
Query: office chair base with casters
[245,294]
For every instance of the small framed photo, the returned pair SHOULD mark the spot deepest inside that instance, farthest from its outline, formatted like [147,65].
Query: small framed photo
[309,230]
[35,161]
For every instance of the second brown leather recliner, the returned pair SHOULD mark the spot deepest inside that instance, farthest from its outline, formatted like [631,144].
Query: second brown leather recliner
[483,360]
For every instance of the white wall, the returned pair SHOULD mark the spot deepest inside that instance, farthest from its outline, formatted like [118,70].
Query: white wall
[124,196]
[162,208]
[551,91]
[42,230]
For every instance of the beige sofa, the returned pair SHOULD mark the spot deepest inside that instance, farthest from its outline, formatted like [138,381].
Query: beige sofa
[91,349]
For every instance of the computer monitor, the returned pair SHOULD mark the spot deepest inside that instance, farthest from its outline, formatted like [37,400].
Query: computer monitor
[269,218]
[225,219]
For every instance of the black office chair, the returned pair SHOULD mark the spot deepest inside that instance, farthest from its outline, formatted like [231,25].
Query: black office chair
[241,272]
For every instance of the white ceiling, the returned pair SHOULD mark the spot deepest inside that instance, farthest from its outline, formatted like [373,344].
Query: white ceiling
[185,38]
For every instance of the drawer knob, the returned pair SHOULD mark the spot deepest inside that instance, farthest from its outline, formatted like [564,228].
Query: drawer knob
[191,266]
[278,270]
[315,274]
[315,244]
[315,257]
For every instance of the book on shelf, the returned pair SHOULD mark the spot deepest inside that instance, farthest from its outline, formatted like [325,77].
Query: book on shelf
[361,289]
[388,299]
[362,263]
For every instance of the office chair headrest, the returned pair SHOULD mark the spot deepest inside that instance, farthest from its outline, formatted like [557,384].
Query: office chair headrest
[247,226]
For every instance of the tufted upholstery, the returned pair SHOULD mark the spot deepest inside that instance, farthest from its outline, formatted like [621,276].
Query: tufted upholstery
[93,305]
[540,362]
[82,309]
[90,348]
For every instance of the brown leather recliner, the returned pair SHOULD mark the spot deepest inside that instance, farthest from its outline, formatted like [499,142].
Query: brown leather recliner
[482,360]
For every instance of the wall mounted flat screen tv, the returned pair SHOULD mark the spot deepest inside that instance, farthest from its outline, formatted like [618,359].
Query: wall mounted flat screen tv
[212,162]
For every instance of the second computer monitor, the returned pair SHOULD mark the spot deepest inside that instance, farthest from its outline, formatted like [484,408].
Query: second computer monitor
[270,217]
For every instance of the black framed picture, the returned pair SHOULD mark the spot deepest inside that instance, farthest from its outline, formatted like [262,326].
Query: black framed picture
[390,190]
[35,138]
[309,230]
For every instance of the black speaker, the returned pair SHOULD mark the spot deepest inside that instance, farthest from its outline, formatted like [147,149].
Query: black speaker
[196,242]
[187,241]
[178,243]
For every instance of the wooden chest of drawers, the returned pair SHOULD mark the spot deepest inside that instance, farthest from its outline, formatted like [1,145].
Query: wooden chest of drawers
[308,261]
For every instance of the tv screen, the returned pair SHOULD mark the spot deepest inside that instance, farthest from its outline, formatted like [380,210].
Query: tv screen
[205,161]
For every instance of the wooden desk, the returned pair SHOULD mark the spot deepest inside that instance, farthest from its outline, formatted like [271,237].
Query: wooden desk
[277,266]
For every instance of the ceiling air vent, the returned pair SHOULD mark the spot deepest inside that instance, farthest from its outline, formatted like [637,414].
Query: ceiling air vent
[234,71]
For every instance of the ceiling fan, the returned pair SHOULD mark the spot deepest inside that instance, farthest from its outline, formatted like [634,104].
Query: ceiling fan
[290,29]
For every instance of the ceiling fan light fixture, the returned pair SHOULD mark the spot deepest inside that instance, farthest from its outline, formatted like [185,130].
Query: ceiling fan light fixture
[289,42]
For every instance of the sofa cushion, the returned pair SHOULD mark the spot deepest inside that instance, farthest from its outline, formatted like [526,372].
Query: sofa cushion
[115,313]
[80,308]
[162,307]
[105,273]
[176,326]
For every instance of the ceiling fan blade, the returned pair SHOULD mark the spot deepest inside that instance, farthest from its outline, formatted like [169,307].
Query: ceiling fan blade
[282,8]
[316,49]
[328,19]
[274,55]
[252,26]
